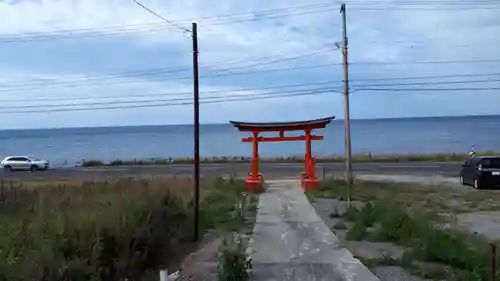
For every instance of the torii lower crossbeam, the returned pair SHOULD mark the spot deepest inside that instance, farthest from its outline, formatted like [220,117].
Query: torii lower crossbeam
[254,182]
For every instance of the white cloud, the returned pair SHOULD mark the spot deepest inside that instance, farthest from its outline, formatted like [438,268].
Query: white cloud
[375,36]
[228,39]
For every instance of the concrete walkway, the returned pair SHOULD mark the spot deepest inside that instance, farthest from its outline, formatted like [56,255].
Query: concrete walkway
[291,242]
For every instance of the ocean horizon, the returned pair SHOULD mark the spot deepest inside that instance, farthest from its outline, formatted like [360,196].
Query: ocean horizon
[337,118]
[453,134]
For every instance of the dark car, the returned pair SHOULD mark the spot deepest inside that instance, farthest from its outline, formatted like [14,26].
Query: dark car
[481,172]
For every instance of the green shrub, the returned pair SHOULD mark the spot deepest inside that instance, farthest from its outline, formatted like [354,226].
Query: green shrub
[220,206]
[92,163]
[233,263]
[161,161]
[116,162]
[357,232]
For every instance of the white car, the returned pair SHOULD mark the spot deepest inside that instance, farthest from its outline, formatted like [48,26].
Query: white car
[24,163]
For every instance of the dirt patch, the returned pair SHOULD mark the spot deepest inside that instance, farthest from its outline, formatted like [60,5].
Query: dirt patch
[202,264]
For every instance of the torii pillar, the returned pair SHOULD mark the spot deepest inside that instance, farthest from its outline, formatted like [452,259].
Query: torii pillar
[254,181]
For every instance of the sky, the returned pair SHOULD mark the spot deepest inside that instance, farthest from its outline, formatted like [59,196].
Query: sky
[84,63]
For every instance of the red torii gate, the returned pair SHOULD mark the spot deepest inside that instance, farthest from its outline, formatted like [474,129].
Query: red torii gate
[254,182]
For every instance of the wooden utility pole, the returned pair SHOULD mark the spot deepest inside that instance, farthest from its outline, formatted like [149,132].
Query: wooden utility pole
[347,118]
[196,113]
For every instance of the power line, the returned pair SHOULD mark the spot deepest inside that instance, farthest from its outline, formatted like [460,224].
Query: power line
[159,16]
[121,75]
[220,100]
[158,100]
[426,77]
[161,23]
[229,91]
[279,60]
[427,89]
[234,18]
[427,62]
[169,79]
[420,4]
[431,83]
[172,94]
[220,73]
[56,35]
[144,72]
[161,71]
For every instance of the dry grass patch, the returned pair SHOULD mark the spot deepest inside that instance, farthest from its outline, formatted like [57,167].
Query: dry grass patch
[105,230]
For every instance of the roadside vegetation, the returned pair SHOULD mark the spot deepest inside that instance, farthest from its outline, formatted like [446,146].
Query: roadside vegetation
[419,219]
[114,230]
[234,262]
[359,158]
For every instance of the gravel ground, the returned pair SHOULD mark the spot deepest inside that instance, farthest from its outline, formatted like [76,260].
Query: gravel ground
[485,223]
[427,180]
[330,211]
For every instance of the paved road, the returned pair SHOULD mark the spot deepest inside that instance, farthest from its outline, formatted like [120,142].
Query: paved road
[239,169]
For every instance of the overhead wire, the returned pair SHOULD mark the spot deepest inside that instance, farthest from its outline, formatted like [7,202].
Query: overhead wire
[278,60]
[427,89]
[230,90]
[425,62]
[161,100]
[217,99]
[167,104]
[161,23]
[161,17]
[96,80]
[354,84]
[430,83]
[170,79]
[154,72]
[159,71]
[175,102]
[234,18]
[68,34]
[425,77]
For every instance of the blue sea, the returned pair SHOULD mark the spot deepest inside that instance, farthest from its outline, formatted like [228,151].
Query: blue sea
[378,136]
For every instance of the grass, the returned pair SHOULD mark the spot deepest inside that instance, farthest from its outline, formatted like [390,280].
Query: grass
[412,216]
[234,263]
[425,242]
[358,158]
[443,201]
[106,230]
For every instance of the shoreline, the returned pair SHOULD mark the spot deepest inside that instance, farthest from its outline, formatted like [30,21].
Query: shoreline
[356,158]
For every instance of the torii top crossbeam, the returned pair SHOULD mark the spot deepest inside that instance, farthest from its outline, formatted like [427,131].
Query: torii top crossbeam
[283,126]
